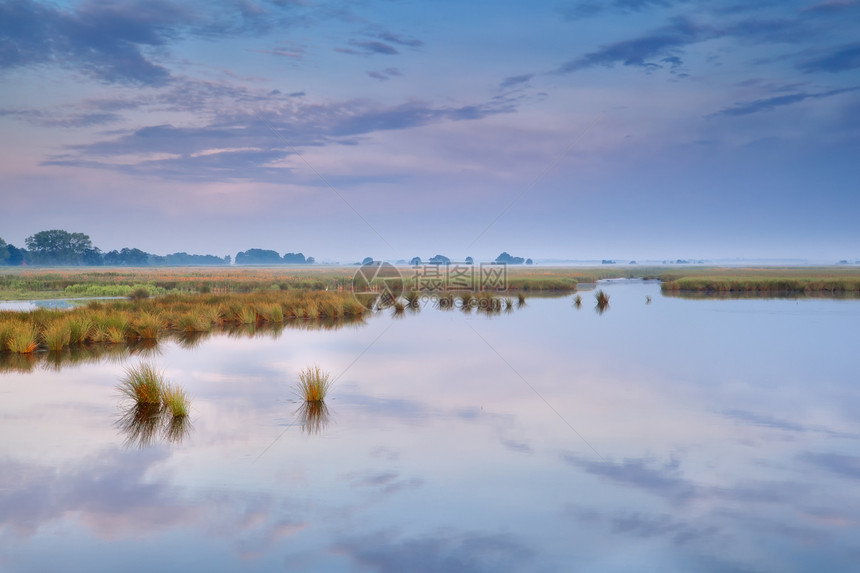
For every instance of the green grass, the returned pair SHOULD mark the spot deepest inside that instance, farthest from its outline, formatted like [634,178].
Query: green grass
[143,384]
[23,339]
[313,384]
[57,335]
[174,400]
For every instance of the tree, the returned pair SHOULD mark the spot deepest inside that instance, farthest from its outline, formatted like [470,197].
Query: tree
[258,257]
[17,256]
[294,259]
[470,261]
[367,261]
[130,257]
[529,262]
[92,257]
[4,252]
[509,260]
[415,262]
[440,260]
[58,247]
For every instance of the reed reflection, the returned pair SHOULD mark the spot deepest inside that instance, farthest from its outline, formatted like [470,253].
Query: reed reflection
[314,416]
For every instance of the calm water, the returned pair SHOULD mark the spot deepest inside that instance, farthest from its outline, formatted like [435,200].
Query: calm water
[681,435]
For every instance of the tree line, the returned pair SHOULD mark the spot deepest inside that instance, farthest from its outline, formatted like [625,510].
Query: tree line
[59,247]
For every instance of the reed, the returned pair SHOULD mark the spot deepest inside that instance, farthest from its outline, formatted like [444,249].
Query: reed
[23,339]
[602,300]
[80,329]
[148,326]
[413,298]
[174,400]
[57,335]
[314,383]
[577,301]
[143,384]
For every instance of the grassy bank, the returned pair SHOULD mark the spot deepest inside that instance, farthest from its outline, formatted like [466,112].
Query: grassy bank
[764,281]
[131,321]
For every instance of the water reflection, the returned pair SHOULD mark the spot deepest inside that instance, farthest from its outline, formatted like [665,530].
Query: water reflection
[144,424]
[314,416]
[147,348]
[442,459]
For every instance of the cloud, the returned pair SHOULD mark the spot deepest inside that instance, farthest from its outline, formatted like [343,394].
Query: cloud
[368,47]
[106,40]
[837,463]
[664,480]
[178,152]
[443,552]
[836,60]
[591,8]
[637,52]
[644,526]
[401,40]
[512,81]
[42,119]
[118,41]
[385,74]
[771,103]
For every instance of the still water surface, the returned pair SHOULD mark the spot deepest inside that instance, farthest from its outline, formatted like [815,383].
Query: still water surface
[680,435]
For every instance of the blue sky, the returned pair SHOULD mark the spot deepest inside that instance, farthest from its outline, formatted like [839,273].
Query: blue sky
[643,129]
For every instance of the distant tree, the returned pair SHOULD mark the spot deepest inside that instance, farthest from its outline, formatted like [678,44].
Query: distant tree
[17,256]
[93,257]
[311,261]
[416,261]
[440,260]
[509,260]
[227,259]
[470,261]
[184,259]
[58,247]
[258,257]
[4,252]
[367,261]
[294,258]
[529,262]
[127,257]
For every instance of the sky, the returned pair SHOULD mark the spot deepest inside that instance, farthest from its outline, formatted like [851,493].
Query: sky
[578,129]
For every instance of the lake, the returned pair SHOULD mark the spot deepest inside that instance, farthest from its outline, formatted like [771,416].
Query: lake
[675,435]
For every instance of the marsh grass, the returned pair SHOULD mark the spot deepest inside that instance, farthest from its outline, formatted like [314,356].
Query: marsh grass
[148,326]
[174,400]
[577,301]
[80,330]
[157,407]
[57,335]
[143,384]
[413,298]
[23,339]
[313,384]
[602,301]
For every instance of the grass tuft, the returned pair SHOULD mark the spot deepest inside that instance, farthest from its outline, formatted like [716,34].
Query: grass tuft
[24,339]
[143,384]
[57,335]
[314,384]
[602,301]
[174,400]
